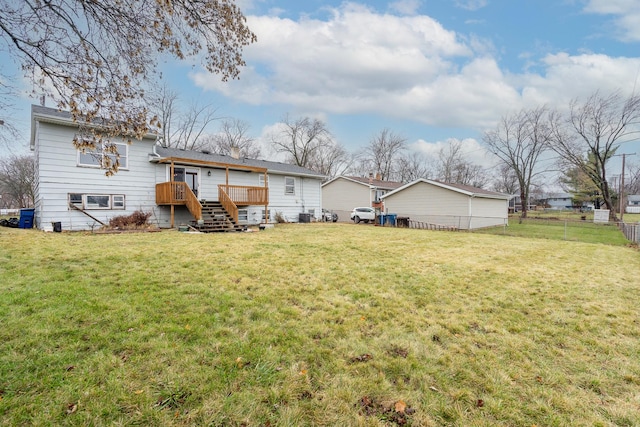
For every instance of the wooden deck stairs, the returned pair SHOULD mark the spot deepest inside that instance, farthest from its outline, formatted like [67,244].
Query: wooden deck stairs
[216,219]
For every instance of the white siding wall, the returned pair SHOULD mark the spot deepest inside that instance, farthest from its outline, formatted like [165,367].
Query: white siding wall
[308,196]
[432,204]
[344,195]
[488,212]
[60,175]
[427,199]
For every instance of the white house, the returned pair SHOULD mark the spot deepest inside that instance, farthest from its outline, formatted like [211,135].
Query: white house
[452,205]
[176,186]
[343,193]
[633,203]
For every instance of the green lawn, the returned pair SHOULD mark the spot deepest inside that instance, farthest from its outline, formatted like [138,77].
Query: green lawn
[559,228]
[317,324]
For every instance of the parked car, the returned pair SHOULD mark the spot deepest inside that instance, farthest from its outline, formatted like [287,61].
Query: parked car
[363,214]
[329,216]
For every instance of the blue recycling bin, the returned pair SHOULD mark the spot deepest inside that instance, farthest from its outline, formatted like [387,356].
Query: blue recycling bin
[26,218]
[391,219]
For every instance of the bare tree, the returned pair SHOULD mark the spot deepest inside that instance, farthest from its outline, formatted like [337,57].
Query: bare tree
[180,127]
[592,132]
[17,181]
[632,180]
[165,107]
[94,56]
[412,166]
[330,159]
[518,141]
[380,156]
[300,139]
[191,127]
[233,139]
[454,168]
[8,132]
[506,180]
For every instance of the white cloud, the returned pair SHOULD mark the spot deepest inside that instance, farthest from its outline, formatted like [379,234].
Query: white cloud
[627,16]
[409,67]
[471,149]
[471,4]
[406,7]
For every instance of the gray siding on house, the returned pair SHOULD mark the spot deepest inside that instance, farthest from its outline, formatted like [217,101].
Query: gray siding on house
[433,204]
[344,195]
[59,175]
[426,199]
[307,197]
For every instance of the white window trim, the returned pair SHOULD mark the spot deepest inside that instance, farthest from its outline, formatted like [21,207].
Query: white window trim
[111,197]
[286,193]
[95,154]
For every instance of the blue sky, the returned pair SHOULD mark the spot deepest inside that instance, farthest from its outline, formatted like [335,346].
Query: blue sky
[430,70]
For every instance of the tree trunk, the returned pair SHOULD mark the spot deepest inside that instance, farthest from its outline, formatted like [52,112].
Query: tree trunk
[606,196]
[524,201]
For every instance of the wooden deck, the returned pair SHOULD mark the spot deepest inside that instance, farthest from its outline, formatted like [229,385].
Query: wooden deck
[230,197]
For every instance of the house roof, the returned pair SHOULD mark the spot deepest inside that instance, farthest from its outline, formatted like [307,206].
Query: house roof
[373,183]
[458,188]
[63,118]
[203,157]
[633,198]
[556,196]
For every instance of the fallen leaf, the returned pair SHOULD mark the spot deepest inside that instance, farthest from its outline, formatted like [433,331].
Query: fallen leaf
[71,408]
[432,388]
[240,363]
[303,372]
[139,391]
[362,358]
[188,327]
[479,403]
[400,407]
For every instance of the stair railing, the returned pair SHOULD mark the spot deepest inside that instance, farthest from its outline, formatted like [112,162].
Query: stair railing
[227,204]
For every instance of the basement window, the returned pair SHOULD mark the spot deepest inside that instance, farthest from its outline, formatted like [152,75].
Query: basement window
[97,201]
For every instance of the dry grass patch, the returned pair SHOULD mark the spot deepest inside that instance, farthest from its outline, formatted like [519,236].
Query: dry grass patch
[317,324]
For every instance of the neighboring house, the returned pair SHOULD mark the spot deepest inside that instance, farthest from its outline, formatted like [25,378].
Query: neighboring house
[557,201]
[562,201]
[633,203]
[459,206]
[177,186]
[343,193]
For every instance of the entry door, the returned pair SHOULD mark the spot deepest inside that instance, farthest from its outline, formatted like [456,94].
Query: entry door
[192,181]
[188,175]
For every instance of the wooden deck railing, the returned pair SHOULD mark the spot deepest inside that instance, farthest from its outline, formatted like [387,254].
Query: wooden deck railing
[178,193]
[230,196]
[227,203]
[246,195]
